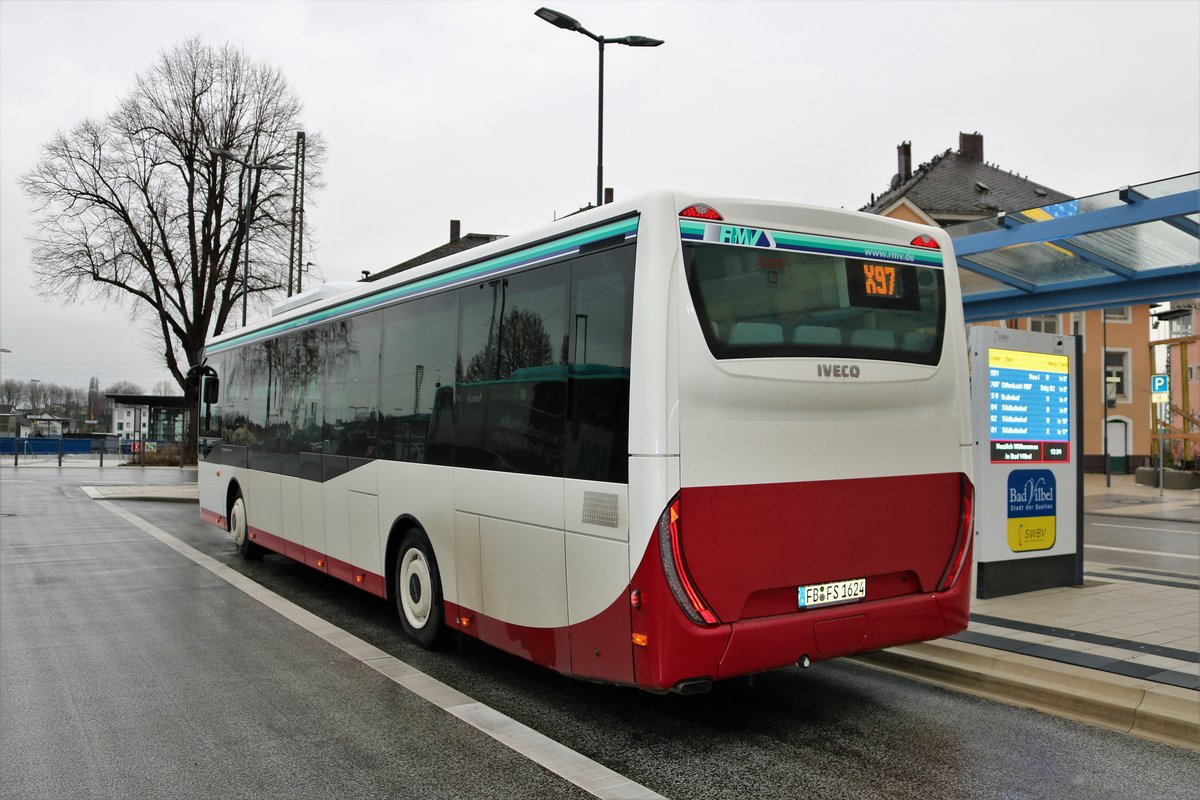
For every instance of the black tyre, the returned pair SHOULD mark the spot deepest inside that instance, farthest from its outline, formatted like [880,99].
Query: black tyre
[240,528]
[418,590]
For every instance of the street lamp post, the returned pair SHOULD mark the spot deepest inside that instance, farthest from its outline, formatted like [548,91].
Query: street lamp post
[571,24]
[248,214]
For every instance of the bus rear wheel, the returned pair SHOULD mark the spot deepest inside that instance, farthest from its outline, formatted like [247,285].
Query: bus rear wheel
[240,528]
[418,590]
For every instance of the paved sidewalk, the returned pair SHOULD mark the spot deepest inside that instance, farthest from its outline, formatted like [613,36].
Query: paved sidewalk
[1139,622]
[1127,498]
[1121,651]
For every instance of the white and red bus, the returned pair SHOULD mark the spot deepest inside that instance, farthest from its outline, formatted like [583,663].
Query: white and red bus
[659,443]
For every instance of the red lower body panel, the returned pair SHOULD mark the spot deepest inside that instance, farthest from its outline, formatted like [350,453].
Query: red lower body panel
[368,581]
[596,649]
[655,646]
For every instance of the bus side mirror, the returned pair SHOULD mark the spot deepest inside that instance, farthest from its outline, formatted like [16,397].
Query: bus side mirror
[212,390]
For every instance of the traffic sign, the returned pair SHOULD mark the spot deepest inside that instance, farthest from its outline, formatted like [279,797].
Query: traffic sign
[1160,388]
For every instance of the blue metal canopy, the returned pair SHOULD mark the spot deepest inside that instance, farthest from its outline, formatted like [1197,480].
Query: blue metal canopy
[1134,245]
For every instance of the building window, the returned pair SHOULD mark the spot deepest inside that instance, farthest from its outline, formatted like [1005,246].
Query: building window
[1047,323]
[1117,314]
[1116,371]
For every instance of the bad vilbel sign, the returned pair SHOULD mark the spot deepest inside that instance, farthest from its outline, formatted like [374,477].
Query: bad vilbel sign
[1026,463]
[1032,513]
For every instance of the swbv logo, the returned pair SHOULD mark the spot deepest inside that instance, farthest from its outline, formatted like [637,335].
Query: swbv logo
[838,371]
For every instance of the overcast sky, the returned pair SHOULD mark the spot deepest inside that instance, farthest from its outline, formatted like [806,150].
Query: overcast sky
[482,112]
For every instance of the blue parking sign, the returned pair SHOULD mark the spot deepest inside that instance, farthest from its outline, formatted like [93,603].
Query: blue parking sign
[1160,383]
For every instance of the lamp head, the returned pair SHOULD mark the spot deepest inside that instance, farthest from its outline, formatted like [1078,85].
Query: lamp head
[558,19]
[639,41]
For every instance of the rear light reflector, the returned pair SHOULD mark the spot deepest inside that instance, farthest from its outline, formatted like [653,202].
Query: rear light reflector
[671,549]
[926,241]
[962,541]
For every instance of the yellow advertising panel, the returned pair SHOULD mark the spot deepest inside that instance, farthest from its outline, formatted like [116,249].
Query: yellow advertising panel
[1030,533]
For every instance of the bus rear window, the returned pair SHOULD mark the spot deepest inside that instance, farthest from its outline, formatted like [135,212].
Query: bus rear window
[775,304]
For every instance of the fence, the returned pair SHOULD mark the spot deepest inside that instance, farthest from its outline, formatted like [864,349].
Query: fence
[149,452]
[44,446]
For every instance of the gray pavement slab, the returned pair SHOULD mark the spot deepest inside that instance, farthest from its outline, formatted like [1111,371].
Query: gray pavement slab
[126,672]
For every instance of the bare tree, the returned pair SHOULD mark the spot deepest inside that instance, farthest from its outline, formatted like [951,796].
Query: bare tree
[135,208]
[123,387]
[37,396]
[12,392]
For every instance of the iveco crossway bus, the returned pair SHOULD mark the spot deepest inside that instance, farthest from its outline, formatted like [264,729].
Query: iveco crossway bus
[659,443]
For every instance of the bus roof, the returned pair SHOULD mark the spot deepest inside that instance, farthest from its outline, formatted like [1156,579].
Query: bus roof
[541,244]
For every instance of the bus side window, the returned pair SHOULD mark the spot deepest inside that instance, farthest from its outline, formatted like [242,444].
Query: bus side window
[511,409]
[417,380]
[597,442]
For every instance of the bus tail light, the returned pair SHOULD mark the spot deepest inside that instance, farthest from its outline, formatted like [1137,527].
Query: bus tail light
[926,241]
[701,211]
[966,531]
[671,550]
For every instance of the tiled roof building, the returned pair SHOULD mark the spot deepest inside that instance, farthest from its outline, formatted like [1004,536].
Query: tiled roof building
[957,187]
[457,244]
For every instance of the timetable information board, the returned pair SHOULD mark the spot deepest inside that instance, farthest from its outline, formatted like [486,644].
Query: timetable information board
[1029,406]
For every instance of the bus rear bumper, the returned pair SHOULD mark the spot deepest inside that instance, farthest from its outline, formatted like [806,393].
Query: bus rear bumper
[758,645]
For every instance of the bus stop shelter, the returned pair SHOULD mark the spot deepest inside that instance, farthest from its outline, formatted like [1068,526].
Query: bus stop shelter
[1137,244]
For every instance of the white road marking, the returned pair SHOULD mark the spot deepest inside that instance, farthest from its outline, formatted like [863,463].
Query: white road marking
[1142,552]
[588,775]
[1143,528]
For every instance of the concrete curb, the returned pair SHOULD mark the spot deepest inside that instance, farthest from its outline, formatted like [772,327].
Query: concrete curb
[181,493]
[1159,712]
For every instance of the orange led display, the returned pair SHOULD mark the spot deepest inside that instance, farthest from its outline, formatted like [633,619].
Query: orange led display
[879,280]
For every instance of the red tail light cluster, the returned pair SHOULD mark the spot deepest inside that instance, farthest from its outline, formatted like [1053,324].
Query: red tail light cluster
[962,542]
[926,241]
[671,550]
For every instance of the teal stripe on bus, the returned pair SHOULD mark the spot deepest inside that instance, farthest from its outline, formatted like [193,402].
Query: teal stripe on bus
[552,249]
[891,252]
[740,235]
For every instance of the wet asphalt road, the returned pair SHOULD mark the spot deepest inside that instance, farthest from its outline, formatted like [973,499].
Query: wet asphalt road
[128,671]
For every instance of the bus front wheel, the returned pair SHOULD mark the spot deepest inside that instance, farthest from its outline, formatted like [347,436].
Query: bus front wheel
[240,529]
[418,590]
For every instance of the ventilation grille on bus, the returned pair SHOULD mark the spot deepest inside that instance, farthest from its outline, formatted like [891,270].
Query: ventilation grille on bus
[600,508]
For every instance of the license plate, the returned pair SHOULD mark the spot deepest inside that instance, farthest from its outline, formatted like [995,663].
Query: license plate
[826,594]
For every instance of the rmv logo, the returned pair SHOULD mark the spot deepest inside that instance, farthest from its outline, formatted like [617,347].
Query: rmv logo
[838,370]
[731,234]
